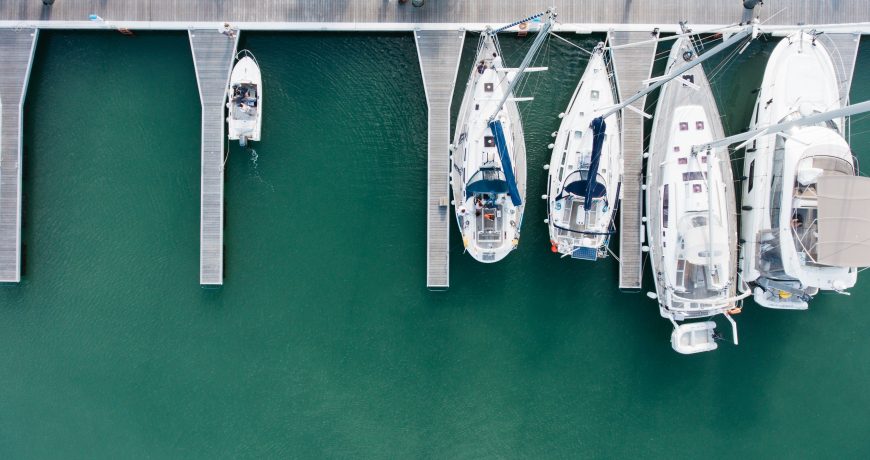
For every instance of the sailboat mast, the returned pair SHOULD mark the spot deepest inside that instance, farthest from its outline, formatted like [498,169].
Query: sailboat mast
[539,40]
[780,127]
[682,69]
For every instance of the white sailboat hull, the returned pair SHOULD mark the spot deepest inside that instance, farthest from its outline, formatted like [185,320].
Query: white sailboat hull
[489,222]
[575,231]
[690,203]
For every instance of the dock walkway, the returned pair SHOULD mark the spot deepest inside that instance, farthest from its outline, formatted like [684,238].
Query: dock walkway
[213,54]
[632,66]
[439,53]
[17,48]
[591,15]
[844,52]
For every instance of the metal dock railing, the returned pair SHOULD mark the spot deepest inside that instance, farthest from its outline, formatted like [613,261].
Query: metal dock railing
[632,66]
[213,54]
[439,53]
[17,47]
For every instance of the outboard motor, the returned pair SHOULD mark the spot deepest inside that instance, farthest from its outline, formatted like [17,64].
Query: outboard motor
[243,141]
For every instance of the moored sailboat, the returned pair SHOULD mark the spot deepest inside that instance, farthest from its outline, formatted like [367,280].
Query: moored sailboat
[585,170]
[488,161]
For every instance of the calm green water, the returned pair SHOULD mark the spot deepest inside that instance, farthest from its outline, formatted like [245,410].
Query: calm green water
[324,341]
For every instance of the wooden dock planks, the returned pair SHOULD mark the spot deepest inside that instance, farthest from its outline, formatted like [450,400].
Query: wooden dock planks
[439,53]
[17,47]
[580,12]
[632,66]
[213,54]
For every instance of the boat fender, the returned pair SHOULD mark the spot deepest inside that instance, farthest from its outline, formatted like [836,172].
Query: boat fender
[554,249]
[524,26]
[735,311]
[516,242]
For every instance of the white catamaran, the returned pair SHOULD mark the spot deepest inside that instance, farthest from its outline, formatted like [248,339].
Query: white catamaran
[805,211]
[585,171]
[488,160]
[690,204]
[245,100]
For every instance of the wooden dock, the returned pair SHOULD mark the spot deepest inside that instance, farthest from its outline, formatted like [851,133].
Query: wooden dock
[844,52]
[597,15]
[213,54]
[439,53]
[632,66]
[17,48]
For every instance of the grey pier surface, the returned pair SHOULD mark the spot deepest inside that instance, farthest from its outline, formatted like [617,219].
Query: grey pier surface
[843,49]
[439,53]
[17,47]
[599,15]
[213,54]
[632,65]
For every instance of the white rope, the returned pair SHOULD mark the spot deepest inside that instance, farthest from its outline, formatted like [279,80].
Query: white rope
[572,44]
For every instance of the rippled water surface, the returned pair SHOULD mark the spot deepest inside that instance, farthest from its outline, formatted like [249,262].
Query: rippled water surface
[324,340]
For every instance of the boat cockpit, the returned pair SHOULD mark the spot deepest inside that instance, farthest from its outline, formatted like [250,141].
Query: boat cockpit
[244,101]
[488,189]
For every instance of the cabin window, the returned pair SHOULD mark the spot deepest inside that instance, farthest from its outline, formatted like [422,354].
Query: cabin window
[487,87]
[684,126]
[665,207]
[693,175]
[696,188]
[699,125]
[689,78]
[682,160]
[751,176]
[676,148]
[488,141]
[704,159]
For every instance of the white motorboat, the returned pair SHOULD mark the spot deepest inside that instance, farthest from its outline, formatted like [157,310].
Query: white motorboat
[245,104]
[804,224]
[691,209]
[585,171]
[488,171]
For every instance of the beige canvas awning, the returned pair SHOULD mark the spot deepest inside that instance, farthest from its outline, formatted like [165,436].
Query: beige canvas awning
[844,221]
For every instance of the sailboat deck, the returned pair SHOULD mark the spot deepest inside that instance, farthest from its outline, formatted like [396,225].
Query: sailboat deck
[439,53]
[632,66]
[213,58]
[17,47]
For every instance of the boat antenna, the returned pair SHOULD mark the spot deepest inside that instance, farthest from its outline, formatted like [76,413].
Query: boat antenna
[785,126]
[539,40]
[745,31]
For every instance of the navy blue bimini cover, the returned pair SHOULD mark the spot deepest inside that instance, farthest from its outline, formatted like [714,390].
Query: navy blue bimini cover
[506,166]
[486,186]
[586,188]
[598,126]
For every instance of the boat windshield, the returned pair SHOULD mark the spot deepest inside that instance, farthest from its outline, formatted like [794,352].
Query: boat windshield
[489,180]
